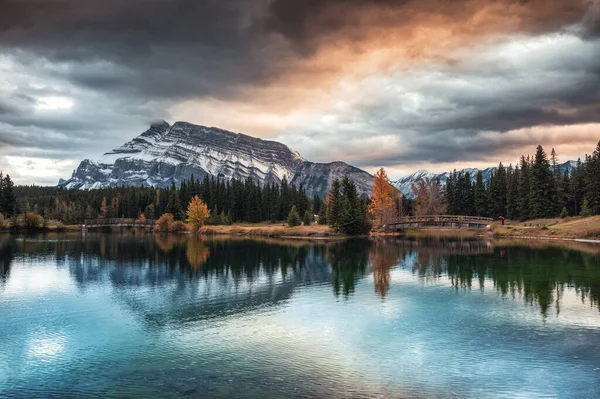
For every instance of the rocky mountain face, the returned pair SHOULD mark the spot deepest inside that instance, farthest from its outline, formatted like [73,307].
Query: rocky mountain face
[166,154]
[404,184]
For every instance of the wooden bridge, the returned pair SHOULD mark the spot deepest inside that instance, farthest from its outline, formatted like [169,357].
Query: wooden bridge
[98,223]
[449,221]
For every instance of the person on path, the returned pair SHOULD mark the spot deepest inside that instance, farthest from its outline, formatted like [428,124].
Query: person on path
[502,220]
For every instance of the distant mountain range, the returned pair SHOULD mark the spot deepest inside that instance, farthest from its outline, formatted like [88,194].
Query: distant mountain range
[166,154]
[404,184]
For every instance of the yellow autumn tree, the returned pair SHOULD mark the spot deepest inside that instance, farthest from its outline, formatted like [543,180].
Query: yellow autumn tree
[197,213]
[382,205]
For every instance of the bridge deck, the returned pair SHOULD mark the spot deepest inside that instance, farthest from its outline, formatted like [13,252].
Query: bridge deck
[452,221]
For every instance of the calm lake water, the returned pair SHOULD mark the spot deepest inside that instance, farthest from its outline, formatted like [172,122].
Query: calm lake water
[143,316]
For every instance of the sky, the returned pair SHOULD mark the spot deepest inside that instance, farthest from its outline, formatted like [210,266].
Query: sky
[399,84]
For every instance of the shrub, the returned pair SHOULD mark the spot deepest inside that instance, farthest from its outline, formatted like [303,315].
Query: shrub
[293,218]
[164,222]
[178,227]
[30,220]
[564,213]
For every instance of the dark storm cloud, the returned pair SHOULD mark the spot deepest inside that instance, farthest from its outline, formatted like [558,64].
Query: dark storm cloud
[126,62]
[173,48]
[181,48]
[306,21]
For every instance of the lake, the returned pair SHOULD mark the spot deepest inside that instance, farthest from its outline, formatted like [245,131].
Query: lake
[139,316]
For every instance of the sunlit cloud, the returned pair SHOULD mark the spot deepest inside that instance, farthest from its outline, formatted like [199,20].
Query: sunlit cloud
[403,85]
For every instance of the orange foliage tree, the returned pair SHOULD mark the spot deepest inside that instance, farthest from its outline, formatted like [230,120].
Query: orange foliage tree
[382,205]
[197,213]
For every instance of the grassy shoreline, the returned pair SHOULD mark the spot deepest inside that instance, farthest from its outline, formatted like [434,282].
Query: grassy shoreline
[543,229]
[568,228]
[273,230]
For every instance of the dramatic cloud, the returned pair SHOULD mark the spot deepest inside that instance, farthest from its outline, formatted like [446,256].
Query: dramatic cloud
[401,84]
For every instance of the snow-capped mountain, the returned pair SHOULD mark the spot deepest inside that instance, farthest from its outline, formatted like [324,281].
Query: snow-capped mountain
[166,154]
[404,184]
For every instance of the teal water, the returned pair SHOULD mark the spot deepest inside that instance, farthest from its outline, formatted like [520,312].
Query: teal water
[139,316]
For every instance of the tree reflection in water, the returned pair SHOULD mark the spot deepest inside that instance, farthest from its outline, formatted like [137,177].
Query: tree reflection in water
[197,252]
[539,273]
[384,255]
[348,261]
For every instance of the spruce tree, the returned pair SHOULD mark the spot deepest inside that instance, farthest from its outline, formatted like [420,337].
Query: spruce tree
[323,215]
[512,202]
[467,191]
[586,210]
[555,167]
[498,192]
[8,201]
[543,192]
[480,197]
[577,187]
[174,205]
[293,218]
[335,205]
[524,208]
[565,199]
[592,181]
[354,212]
[307,219]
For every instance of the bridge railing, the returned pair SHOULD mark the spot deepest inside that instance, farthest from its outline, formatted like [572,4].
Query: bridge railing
[441,219]
[119,221]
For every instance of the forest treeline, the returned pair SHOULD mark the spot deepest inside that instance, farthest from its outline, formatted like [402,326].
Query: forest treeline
[228,201]
[535,188]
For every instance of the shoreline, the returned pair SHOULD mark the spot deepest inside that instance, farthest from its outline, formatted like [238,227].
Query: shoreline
[585,230]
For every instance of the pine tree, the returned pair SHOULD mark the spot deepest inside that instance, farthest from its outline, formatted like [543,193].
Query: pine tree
[317,202]
[8,201]
[543,192]
[323,215]
[293,218]
[524,208]
[150,211]
[565,199]
[480,197]
[577,187]
[498,192]
[555,167]
[335,205]
[592,181]
[586,210]
[307,219]
[174,205]
[512,201]
[564,213]
[354,212]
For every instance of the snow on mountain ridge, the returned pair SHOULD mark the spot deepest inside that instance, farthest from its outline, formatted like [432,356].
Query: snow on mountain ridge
[404,184]
[166,154]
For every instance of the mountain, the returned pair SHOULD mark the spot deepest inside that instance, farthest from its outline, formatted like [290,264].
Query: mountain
[404,184]
[166,154]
